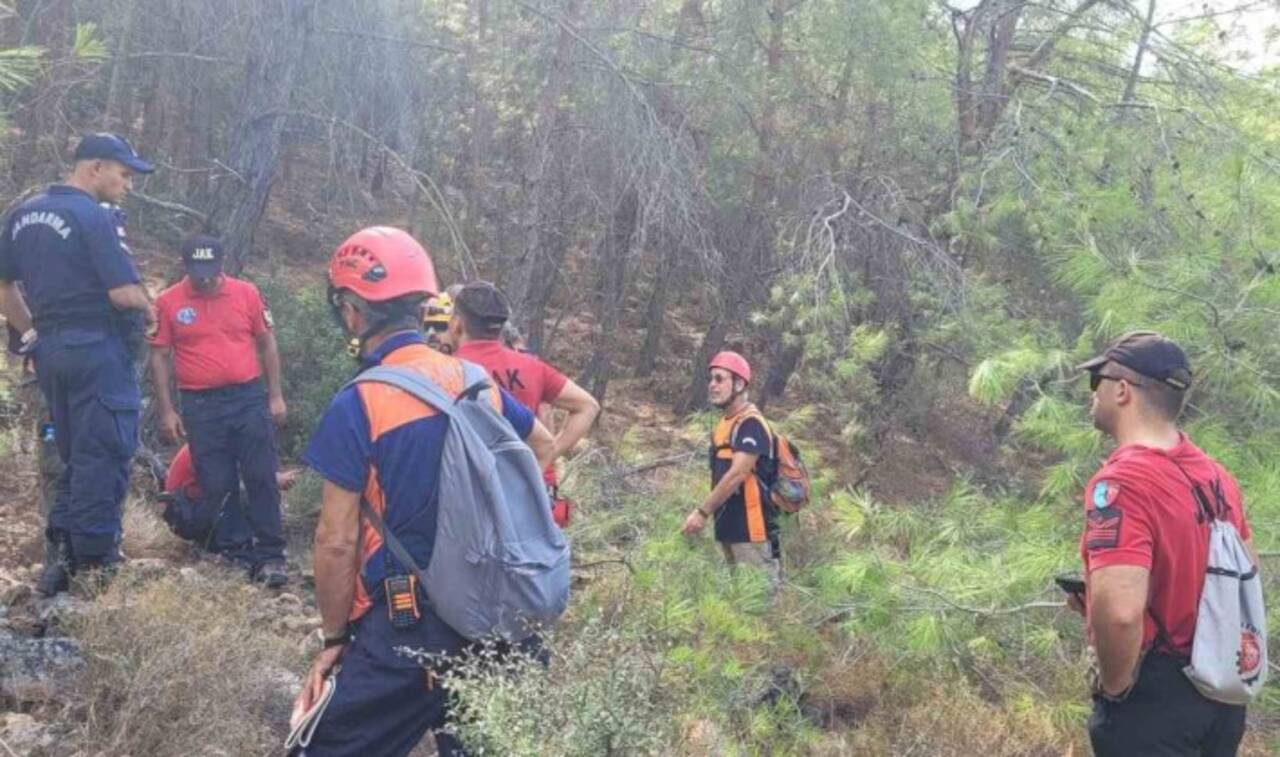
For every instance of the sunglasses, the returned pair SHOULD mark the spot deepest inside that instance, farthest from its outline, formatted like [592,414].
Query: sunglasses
[1096,378]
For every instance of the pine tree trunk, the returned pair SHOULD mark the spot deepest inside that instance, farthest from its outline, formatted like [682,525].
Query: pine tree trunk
[241,197]
[656,313]
[610,290]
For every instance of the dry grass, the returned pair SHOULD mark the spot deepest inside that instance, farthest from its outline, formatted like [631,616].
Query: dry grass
[146,535]
[182,665]
[952,721]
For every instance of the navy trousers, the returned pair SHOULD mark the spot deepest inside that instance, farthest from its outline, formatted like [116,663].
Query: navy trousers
[386,702]
[232,438]
[93,398]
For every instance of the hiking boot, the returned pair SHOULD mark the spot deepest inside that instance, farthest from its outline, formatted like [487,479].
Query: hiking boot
[272,574]
[56,576]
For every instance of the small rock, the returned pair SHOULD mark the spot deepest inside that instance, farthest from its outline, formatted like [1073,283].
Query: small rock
[33,670]
[189,574]
[14,594]
[55,610]
[24,734]
[288,600]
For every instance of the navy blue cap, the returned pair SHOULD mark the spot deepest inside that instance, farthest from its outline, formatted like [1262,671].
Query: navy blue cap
[202,255]
[1149,354]
[107,146]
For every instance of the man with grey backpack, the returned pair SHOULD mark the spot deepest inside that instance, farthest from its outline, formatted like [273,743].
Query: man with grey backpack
[1172,598]
[435,533]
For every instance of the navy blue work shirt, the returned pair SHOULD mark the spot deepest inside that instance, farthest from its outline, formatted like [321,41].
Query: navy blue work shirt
[66,250]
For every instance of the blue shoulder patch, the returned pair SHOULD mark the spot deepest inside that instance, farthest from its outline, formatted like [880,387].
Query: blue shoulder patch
[1104,494]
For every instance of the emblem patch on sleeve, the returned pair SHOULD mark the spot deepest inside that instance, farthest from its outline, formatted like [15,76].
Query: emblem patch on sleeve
[266,316]
[1105,493]
[1102,528]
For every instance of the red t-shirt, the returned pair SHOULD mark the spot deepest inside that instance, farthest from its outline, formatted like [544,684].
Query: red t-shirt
[213,336]
[525,376]
[181,476]
[1140,510]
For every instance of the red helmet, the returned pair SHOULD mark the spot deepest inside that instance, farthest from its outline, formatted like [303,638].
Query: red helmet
[382,263]
[733,363]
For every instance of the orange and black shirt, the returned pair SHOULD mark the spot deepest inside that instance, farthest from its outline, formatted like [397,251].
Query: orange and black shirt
[747,516]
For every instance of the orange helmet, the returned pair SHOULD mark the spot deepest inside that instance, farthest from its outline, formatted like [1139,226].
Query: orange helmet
[381,263]
[733,363]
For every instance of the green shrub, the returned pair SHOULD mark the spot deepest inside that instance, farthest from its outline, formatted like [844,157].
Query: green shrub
[313,357]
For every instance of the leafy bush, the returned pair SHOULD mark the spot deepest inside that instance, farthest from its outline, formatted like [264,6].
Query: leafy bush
[608,697]
[312,355]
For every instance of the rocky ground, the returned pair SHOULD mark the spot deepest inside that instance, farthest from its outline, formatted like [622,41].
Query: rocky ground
[43,664]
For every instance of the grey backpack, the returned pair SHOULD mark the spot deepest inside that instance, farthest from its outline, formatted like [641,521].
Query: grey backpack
[500,567]
[1229,651]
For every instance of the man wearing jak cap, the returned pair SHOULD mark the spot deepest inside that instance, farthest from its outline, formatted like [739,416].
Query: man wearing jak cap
[480,310]
[66,285]
[1145,550]
[216,332]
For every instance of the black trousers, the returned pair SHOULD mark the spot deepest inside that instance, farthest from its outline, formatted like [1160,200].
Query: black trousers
[232,438]
[1164,716]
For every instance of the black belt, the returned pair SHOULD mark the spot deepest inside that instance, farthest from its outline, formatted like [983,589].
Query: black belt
[55,327]
[223,391]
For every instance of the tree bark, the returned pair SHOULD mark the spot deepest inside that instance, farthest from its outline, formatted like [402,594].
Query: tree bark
[119,62]
[656,312]
[610,290]
[1131,85]
[241,196]
[533,257]
[775,382]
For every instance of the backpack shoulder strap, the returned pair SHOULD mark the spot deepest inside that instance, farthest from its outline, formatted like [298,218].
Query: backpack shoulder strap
[422,386]
[768,430]
[397,549]
[1206,512]
[475,380]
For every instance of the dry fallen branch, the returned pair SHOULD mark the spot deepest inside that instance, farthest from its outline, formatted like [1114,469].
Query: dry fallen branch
[175,207]
[984,611]
[624,562]
[659,463]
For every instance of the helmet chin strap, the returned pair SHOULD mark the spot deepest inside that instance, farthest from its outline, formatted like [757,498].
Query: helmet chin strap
[355,345]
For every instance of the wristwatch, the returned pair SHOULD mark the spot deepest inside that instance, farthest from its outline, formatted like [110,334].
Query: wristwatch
[338,641]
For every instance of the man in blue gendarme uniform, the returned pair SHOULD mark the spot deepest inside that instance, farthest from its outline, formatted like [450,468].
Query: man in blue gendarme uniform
[78,286]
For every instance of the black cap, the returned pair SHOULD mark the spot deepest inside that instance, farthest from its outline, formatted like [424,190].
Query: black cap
[107,146]
[484,301]
[202,255]
[1149,354]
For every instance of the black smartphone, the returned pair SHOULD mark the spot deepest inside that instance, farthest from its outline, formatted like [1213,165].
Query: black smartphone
[1070,584]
